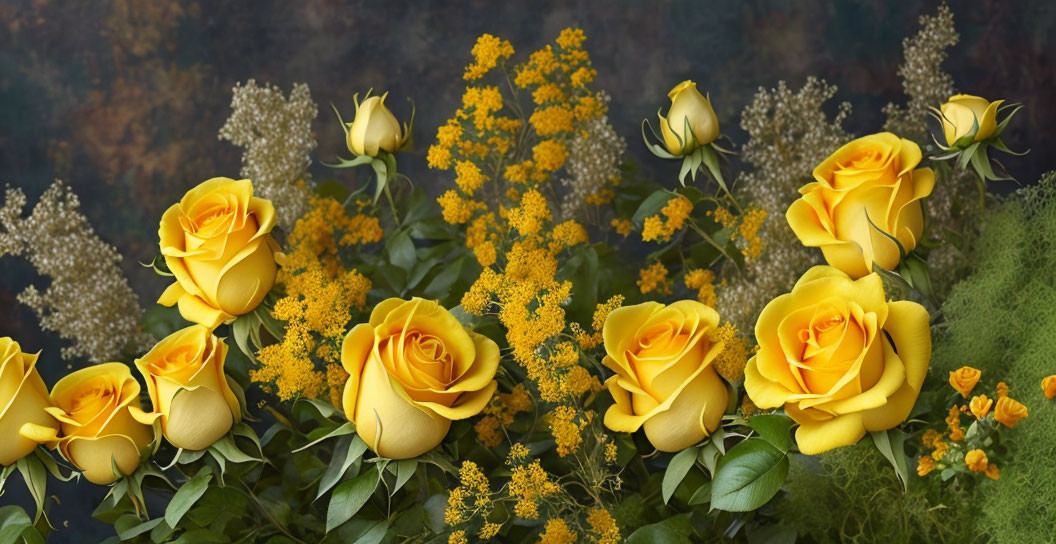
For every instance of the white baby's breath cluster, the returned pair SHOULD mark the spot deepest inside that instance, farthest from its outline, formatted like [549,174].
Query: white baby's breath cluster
[275,134]
[89,301]
[593,162]
[923,80]
[789,134]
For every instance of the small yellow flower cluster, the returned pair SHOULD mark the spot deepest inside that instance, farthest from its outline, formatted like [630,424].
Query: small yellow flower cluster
[487,53]
[320,294]
[733,358]
[499,414]
[556,531]
[472,497]
[603,527]
[601,313]
[964,451]
[653,278]
[566,426]
[623,227]
[675,211]
[703,280]
[751,221]
[529,484]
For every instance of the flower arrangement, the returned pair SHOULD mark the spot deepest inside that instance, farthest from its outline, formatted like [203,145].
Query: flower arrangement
[557,349]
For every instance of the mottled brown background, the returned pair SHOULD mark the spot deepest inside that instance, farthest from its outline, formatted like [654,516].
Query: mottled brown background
[123,99]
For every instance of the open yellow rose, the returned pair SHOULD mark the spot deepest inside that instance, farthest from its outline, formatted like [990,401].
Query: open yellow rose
[690,122]
[839,358]
[23,399]
[864,194]
[216,242]
[94,405]
[963,113]
[374,128]
[664,380]
[411,370]
[187,386]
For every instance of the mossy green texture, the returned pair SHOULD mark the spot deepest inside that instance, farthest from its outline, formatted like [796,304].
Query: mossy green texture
[1002,320]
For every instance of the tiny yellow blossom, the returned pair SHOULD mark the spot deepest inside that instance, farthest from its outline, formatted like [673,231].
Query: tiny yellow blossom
[556,531]
[925,465]
[976,460]
[980,406]
[653,278]
[992,472]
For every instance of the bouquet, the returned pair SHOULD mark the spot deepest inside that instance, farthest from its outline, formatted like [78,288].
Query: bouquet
[809,335]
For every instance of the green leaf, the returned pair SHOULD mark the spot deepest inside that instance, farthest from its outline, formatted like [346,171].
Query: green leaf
[129,526]
[346,428]
[349,498]
[347,451]
[774,428]
[709,456]
[442,282]
[891,445]
[381,170]
[748,476]
[187,496]
[401,251]
[36,478]
[710,158]
[404,470]
[375,534]
[14,521]
[229,450]
[675,530]
[650,206]
[677,470]
[702,495]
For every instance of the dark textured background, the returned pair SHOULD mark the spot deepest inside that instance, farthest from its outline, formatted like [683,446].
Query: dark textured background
[123,99]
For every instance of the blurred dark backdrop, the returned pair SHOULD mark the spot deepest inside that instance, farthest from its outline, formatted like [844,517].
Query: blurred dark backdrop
[123,99]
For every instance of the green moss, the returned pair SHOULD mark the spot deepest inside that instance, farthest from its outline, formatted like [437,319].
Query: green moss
[1001,319]
[852,495]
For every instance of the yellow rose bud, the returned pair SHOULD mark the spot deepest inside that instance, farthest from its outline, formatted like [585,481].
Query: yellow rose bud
[980,406]
[1002,389]
[187,386]
[411,370]
[216,242]
[864,195]
[374,128]
[665,381]
[839,357]
[963,112]
[95,406]
[1048,385]
[24,423]
[964,379]
[1009,411]
[976,460]
[690,122]
[992,472]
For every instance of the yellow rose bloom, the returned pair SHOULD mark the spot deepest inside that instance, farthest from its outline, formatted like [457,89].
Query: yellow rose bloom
[689,109]
[94,406]
[187,386]
[1048,386]
[964,379]
[839,358]
[963,112]
[1009,411]
[976,460]
[980,406]
[411,370]
[24,421]
[374,128]
[216,243]
[864,194]
[665,380]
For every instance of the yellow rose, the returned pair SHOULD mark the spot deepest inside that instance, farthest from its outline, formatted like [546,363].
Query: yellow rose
[1048,386]
[864,194]
[374,128]
[976,461]
[664,380]
[1009,411]
[23,399]
[95,407]
[216,243]
[839,358]
[980,406]
[411,370]
[187,386]
[964,112]
[689,109]
[964,379]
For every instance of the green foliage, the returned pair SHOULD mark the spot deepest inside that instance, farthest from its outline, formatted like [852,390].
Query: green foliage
[997,320]
[852,495]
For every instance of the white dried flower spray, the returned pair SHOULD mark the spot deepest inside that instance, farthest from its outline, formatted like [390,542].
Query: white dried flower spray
[89,300]
[594,159]
[275,134]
